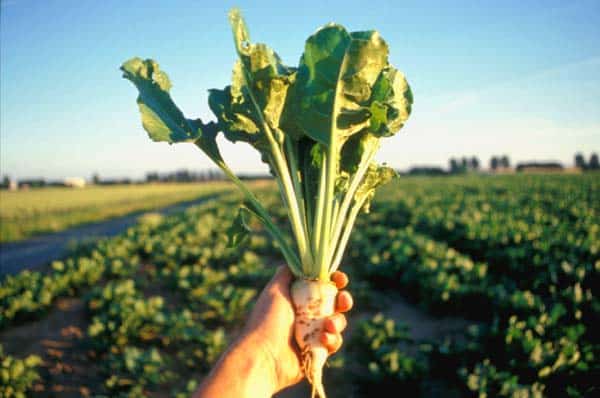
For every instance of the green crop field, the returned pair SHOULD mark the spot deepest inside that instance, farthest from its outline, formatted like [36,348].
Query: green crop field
[464,286]
[34,211]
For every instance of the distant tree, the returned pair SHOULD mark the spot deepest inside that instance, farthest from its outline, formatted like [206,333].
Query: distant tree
[504,162]
[453,165]
[474,164]
[580,161]
[183,175]
[152,176]
[426,171]
[96,179]
[464,164]
[494,163]
[594,164]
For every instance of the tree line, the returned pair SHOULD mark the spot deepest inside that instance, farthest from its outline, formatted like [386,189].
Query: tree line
[464,164]
[592,164]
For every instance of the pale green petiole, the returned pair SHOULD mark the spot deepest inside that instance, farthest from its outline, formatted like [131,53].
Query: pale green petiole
[357,178]
[289,255]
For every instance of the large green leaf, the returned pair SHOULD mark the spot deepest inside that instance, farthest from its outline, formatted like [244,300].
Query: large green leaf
[390,106]
[161,118]
[333,87]
[260,80]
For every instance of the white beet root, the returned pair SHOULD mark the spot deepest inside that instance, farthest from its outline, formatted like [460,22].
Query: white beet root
[314,301]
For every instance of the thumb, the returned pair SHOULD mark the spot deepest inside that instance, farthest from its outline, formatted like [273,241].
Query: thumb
[283,275]
[281,281]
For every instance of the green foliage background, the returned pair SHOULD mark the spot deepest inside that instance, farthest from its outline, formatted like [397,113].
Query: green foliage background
[516,257]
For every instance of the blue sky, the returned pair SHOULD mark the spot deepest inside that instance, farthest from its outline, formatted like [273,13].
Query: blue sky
[521,78]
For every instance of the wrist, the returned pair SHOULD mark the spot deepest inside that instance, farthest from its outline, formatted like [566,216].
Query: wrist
[281,369]
[244,370]
[258,362]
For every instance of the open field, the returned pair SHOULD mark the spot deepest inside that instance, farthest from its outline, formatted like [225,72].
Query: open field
[464,286]
[34,211]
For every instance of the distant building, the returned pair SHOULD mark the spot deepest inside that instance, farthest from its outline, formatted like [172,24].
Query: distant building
[74,182]
[540,167]
[9,183]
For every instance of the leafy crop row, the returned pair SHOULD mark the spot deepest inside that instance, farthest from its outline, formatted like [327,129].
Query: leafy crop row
[17,375]
[450,245]
[166,285]
[178,313]
[519,257]
[29,294]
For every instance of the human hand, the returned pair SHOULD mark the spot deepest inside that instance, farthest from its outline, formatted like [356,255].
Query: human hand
[272,324]
[265,358]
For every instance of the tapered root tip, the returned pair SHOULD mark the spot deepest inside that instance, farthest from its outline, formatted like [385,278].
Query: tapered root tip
[314,360]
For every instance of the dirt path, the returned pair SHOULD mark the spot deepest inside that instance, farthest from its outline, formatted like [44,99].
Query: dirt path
[38,251]
[424,326]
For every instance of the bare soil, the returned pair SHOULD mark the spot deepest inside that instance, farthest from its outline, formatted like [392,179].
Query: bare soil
[68,367]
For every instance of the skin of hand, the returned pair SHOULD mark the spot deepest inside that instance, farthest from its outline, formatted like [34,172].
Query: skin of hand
[265,358]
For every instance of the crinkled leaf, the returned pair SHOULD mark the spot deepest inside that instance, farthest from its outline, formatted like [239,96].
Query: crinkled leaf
[375,177]
[260,80]
[260,62]
[357,149]
[391,102]
[275,99]
[234,120]
[257,93]
[330,98]
[239,230]
[161,118]
[342,183]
